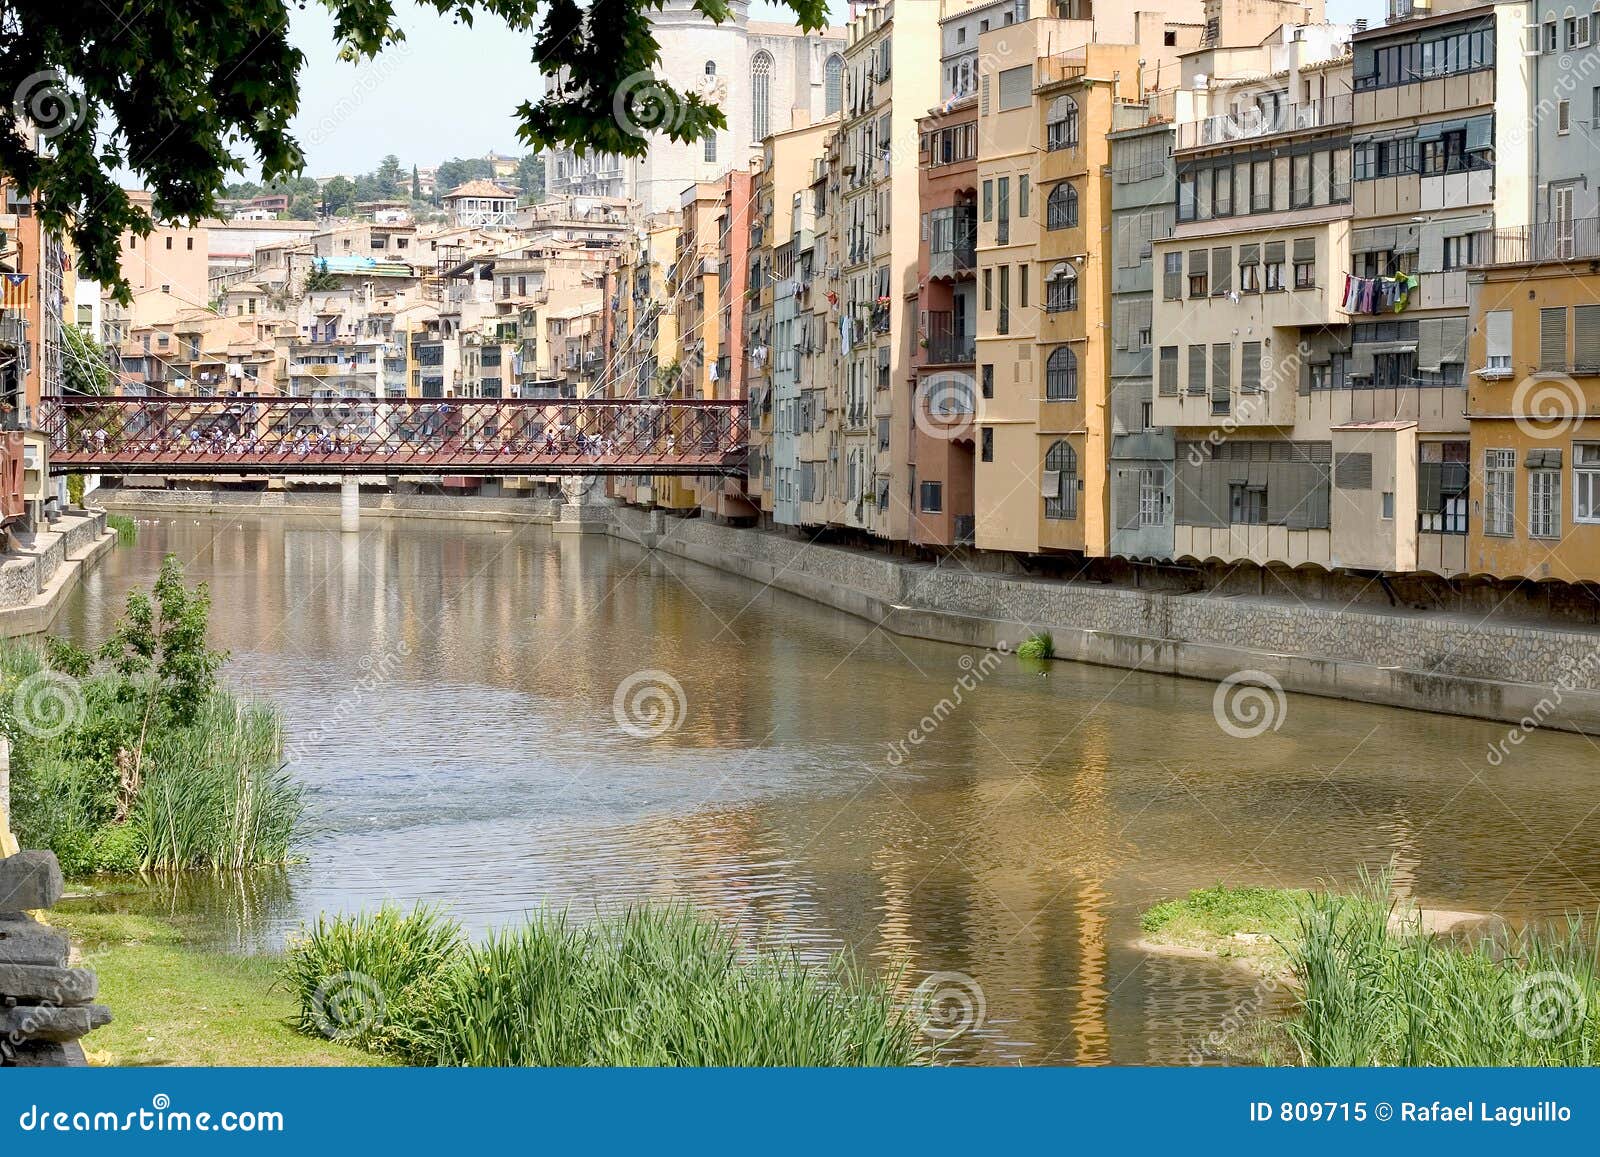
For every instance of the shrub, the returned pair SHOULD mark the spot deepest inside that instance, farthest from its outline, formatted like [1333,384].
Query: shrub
[1038,646]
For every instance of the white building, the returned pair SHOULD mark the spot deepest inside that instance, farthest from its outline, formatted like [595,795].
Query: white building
[766,77]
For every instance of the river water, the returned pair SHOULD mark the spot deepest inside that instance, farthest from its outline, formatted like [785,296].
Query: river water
[450,696]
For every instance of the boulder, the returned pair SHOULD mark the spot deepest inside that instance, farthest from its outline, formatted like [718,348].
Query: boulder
[52,1024]
[36,984]
[29,880]
[24,942]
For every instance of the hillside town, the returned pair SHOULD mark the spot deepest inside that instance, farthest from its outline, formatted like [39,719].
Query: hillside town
[1221,283]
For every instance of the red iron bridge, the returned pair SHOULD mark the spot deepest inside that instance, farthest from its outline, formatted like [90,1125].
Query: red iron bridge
[135,435]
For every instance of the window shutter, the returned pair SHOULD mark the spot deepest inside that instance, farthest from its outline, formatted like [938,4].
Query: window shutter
[1016,87]
[1250,254]
[1221,373]
[1553,339]
[1275,251]
[1221,270]
[1250,368]
[1119,324]
[1429,343]
[1352,471]
[1305,250]
[1197,262]
[1497,332]
[1452,339]
[1585,338]
[1169,371]
[1125,498]
[1430,491]
[1197,369]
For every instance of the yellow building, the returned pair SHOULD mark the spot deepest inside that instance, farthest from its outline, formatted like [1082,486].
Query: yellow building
[1534,408]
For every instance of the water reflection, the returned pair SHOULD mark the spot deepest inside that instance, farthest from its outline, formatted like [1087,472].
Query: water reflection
[449,688]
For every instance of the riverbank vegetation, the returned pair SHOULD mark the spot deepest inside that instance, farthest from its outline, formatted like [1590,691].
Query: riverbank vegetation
[651,986]
[127,530]
[1370,984]
[134,757]
[1038,647]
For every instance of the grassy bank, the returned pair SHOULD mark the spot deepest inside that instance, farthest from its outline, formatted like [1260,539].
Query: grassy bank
[134,757]
[1371,985]
[653,986]
[178,1004]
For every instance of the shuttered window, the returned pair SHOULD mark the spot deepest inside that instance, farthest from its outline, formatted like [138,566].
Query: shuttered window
[1172,276]
[1553,339]
[1250,368]
[1352,471]
[1222,270]
[1016,88]
[1497,339]
[1197,369]
[1221,375]
[1168,379]
[1586,338]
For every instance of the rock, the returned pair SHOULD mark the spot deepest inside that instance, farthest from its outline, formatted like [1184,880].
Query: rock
[29,880]
[47,1054]
[22,941]
[33,984]
[52,1024]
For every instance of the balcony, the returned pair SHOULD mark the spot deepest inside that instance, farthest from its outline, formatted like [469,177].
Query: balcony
[953,243]
[1543,241]
[1251,123]
[946,347]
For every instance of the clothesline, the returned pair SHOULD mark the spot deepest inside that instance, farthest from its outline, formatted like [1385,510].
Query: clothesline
[1378,294]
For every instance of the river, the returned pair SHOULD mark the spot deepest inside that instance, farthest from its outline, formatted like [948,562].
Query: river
[450,692]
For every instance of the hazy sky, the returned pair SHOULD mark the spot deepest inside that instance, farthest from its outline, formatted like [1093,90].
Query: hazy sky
[450,90]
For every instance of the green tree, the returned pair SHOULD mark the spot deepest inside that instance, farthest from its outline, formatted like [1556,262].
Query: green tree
[530,177]
[458,171]
[302,208]
[416,184]
[389,177]
[162,638]
[84,363]
[180,112]
[338,195]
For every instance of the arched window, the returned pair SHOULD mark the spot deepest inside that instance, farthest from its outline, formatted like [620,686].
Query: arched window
[833,84]
[1061,124]
[1061,375]
[1062,210]
[1060,482]
[1061,289]
[711,68]
[761,95]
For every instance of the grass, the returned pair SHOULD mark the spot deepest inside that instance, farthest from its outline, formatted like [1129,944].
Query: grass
[1038,646]
[1251,924]
[652,986]
[127,531]
[176,1004]
[1370,985]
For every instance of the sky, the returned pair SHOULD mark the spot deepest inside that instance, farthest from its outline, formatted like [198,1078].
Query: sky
[452,91]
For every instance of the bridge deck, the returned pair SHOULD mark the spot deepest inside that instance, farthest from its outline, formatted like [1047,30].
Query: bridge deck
[120,435]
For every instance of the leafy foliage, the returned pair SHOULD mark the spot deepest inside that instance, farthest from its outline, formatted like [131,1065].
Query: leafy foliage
[168,636]
[84,363]
[175,92]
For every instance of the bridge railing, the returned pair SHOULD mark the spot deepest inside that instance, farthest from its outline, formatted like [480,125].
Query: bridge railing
[387,435]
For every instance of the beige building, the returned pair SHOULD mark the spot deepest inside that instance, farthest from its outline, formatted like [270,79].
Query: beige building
[173,258]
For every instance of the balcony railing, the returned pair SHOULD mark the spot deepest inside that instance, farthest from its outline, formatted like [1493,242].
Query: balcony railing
[1542,241]
[945,345]
[1249,123]
[955,253]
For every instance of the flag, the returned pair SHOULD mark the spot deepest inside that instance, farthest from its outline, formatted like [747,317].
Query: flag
[15,290]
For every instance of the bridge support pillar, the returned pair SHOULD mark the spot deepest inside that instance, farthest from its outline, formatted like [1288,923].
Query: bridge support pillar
[585,508]
[350,503]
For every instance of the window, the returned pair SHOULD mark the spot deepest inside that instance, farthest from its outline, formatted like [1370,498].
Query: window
[1387,511]
[1247,505]
[1167,378]
[988,200]
[1172,275]
[1002,228]
[988,289]
[1305,262]
[1300,181]
[188,243]
[1497,341]
[1003,321]
[1022,195]
[1586,481]
[711,146]
[1199,273]
[1061,124]
[711,68]
[987,440]
[988,381]
[1061,375]
[1222,271]
[1061,289]
[1222,191]
[1060,482]
[169,242]
[1221,378]
[1197,371]
[1016,88]
[1250,368]
[1250,268]
[1460,252]
[1061,210]
[1544,503]
[1272,266]
[1499,491]
[1563,116]
[932,497]
[761,95]
[833,84]
[1260,186]
[1152,496]
[1553,340]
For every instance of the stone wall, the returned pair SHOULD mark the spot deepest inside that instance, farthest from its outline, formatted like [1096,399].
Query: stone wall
[38,560]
